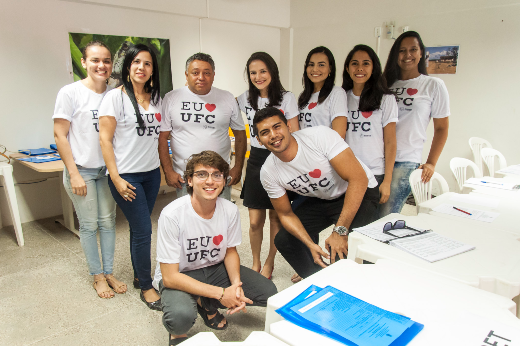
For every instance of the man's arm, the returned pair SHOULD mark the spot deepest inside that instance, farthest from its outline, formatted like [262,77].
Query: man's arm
[173,178]
[240,153]
[232,264]
[349,169]
[173,279]
[293,225]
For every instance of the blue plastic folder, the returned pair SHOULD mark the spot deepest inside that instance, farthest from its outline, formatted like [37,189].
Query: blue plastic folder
[347,319]
[40,159]
[54,147]
[33,152]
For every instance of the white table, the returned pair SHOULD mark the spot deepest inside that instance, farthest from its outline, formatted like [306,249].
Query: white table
[508,220]
[435,301]
[493,266]
[6,170]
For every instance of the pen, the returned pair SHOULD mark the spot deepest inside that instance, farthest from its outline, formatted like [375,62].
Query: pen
[465,212]
[490,182]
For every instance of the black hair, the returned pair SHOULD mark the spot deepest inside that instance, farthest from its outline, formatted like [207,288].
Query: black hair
[151,86]
[375,87]
[266,113]
[308,86]
[202,57]
[392,70]
[92,44]
[275,90]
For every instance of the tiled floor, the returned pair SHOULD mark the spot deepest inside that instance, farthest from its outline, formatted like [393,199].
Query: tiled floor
[47,298]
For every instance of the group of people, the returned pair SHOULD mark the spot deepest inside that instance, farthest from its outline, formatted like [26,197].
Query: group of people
[337,156]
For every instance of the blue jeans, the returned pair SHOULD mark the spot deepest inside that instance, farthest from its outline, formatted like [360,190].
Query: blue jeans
[138,213]
[226,192]
[399,188]
[96,210]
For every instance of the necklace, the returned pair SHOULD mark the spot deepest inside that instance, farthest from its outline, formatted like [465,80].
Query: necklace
[139,100]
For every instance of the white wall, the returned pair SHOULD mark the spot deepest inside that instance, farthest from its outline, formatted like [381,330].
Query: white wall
[35,62]
[483,93]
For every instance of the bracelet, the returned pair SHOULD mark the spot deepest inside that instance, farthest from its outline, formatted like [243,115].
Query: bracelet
[222,296]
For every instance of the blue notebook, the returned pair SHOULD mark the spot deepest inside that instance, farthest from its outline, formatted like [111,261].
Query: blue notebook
[40,159]
[54,147]
[347,319]
[40,151]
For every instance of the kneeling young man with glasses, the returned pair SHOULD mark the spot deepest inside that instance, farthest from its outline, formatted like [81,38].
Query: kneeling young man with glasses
[317,163]
[198,268]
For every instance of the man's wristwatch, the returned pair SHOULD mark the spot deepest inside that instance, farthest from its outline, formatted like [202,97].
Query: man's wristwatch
[341,230]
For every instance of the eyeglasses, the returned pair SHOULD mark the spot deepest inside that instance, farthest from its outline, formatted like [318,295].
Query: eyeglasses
[204,175]
[398,225]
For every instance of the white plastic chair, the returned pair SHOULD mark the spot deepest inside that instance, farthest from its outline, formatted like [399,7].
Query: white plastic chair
[476,144]
[422,192]
[488,156]
[459,167]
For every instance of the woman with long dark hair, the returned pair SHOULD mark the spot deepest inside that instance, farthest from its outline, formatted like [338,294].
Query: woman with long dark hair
[84,176]
[372,115]
[129,125]
[265,89]
[322,103]
[419,98]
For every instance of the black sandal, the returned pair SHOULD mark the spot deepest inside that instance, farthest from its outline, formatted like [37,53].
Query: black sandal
[213,322]
[173,342]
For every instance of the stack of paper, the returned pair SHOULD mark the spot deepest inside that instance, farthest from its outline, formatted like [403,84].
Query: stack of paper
[467,213]
[347,319]
[428,246]
[510,170]
[493,183]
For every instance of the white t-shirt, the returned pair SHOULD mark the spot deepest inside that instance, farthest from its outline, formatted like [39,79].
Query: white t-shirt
[289,108]
[79,105]
[136,149]
[194,242]
[418,100]
[314,114]
[365,131]
[310,172]
[199,122]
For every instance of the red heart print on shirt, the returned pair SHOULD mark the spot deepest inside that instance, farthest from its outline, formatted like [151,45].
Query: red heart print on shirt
[218,239]
[312,105]
[411,91]
[158,117]
[366,115]
[315,174]
[210,107]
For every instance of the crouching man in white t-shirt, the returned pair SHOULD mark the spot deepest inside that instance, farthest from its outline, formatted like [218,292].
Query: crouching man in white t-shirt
[317,163]
[198,268]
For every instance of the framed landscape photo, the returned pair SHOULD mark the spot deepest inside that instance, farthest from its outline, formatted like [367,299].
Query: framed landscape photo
[442,60]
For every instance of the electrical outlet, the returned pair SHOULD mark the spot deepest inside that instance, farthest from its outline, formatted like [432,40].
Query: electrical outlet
[378,31]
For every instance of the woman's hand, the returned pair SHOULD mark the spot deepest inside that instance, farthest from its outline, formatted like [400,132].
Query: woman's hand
[125,189]
[384,191]
[427,173]
[78,185]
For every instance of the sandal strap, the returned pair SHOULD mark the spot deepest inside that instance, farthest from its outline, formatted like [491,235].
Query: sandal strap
[216,319]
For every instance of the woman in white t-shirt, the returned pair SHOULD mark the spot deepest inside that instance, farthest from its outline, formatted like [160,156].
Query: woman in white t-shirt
[265,89]
[322,103]
[419,98]
[76,134]
[129,125]
[372,115]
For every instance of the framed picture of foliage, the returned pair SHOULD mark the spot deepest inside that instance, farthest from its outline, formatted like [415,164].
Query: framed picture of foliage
[119,45]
